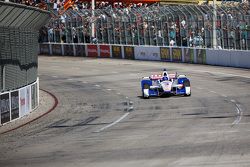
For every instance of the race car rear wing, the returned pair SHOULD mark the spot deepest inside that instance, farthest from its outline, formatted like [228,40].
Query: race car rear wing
[159,76]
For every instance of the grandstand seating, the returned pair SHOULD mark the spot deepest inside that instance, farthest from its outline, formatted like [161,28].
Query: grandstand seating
[161,25]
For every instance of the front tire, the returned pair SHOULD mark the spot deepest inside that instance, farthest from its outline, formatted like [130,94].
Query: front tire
[145,86]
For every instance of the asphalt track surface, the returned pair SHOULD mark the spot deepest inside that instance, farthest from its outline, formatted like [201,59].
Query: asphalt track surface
[102,121]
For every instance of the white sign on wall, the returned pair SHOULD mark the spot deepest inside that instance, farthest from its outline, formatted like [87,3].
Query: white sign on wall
[28,99]
[147,53]
[22,101]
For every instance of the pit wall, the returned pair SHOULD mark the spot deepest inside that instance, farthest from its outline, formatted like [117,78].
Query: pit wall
[232,58]
[18,103]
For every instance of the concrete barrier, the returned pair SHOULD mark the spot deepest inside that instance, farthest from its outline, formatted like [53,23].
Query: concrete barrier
[17,103]
[231,58]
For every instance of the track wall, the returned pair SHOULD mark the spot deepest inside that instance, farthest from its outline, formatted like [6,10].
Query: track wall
[232,58]
[19,90]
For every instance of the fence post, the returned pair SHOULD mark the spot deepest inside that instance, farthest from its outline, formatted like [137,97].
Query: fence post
[3,77]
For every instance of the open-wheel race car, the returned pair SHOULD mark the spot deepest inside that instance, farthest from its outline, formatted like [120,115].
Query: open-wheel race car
[165,84]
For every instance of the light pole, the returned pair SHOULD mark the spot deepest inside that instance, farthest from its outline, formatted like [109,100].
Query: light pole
[214,24]
[92,20]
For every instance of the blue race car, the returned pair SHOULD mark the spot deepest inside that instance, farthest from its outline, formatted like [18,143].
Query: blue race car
[165,84]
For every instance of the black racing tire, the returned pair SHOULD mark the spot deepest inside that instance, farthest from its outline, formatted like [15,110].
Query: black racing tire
[188,94]
[146,86]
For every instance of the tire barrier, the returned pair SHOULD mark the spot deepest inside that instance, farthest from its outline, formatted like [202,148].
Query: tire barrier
[232,58]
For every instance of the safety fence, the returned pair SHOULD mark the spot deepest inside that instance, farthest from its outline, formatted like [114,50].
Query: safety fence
[19,26]
[233,58]
[158,25]
[18,103]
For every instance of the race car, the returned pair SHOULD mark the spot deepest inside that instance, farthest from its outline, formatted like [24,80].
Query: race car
[165,84]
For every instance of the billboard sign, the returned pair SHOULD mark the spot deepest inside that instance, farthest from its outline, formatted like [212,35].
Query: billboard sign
[165,54]
[22,101]
[34,97]
[68,50]
[188,55]
[147,53]
[14,105]
[177,54]
[92,50]
[80,50]
[28,97]
[5,107]
[104,51]
[201,56]
[56,49]
[117,52]
[129,52]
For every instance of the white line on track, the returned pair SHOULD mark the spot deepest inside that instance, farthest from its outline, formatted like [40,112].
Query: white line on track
[109,89]
[232,101]
[112,124]
[55,76]
[237,106]
[239,113]
[97,85]
[229,131]
[70,79]
[223,95]
[84,82]
[228,124]
[213,92]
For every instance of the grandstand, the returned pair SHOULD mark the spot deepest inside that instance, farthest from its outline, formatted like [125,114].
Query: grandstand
[186,25]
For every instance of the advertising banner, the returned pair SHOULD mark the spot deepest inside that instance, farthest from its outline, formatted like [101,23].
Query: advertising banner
[28,99]
[104,51]
[56,49]
[165,54]
[188,55]
[34,97]
[176,54]
[22,102]
[147,53]
[44,49]
[117,52]
[92,51]
[14,105]
[201,56]
[5,108]
[80,50]
[129,52]
[68,50]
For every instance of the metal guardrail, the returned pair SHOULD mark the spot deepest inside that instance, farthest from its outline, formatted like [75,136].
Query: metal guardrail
[19,27]
[160,25]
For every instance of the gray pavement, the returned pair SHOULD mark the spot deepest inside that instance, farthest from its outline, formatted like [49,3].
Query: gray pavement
[102,121]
